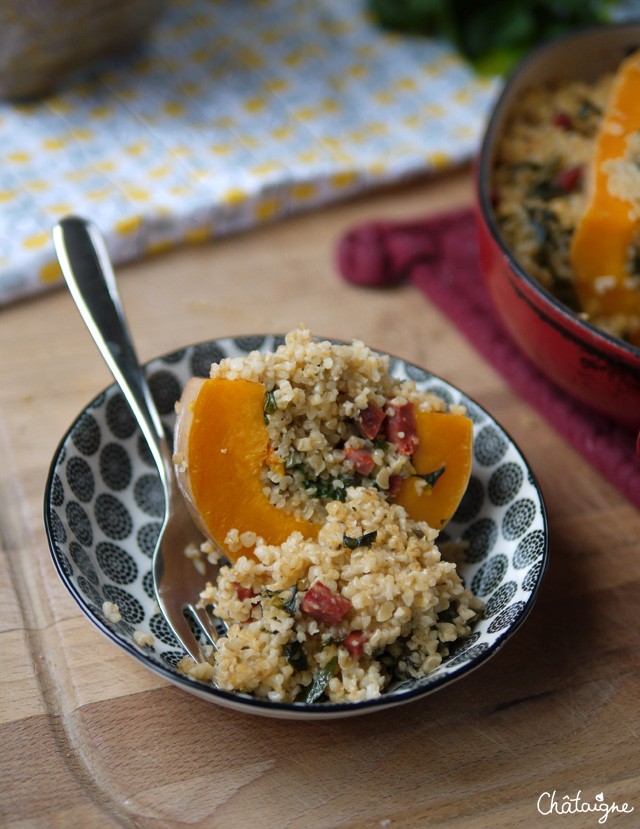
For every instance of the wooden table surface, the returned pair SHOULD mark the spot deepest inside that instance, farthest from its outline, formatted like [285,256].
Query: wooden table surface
[89,738]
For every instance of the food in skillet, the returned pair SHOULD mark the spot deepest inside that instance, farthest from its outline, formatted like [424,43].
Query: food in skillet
[324,482]
[567,194]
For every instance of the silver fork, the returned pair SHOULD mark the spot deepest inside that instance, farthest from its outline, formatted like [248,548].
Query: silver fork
[86,267]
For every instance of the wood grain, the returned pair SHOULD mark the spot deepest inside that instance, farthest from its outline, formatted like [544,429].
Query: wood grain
[89,738]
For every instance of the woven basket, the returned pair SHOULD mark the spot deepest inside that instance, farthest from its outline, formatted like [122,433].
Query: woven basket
[43,42]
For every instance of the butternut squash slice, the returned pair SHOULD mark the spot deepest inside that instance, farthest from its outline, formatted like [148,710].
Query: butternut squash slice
[444,457]
[221,444]
[601,244]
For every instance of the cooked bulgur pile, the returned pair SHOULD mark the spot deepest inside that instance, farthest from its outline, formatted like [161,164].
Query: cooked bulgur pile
[371,599]
[539,187]
[340,617]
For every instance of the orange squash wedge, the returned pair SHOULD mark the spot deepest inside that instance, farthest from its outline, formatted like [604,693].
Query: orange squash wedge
[444,458]
[221,447]
[602,240]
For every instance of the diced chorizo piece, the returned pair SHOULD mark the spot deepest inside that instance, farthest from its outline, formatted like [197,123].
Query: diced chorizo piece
[395,481]
[324,605]
[402,429]
[354,642]
[570,178]
[243,592]
[562,120]
[362,459]
[370,421]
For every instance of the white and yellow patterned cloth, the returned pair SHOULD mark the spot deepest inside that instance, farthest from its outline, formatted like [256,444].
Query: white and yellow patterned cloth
[232,114]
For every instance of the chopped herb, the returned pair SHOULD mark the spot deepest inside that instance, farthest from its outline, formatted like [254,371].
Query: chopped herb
[449,613]
[555,179]
[326,489]
[291,605]
[381,443]
[269,404]
[546,190]
[346,481]
[331,640]
[546,231]
[295,655]
[588,108]
[286,599]
[431,478]
[318,685]
[525,165]
[323,488]
[545,186]
[541,221]
[394,658]
[552,242]
[365,540]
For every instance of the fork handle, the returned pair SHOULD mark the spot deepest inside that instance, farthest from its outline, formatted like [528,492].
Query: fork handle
[86,267]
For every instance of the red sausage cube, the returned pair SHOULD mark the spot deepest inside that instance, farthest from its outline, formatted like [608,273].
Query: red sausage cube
[402,429]
[325,605]
[354,642]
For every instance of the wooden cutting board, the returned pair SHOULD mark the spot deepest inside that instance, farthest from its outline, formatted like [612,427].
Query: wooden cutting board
[89,738]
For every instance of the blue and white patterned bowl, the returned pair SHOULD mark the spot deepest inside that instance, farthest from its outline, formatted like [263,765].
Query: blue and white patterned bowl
[104,505]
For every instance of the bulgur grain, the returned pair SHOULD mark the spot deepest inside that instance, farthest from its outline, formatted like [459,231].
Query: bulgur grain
[111,612]
[143,639]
